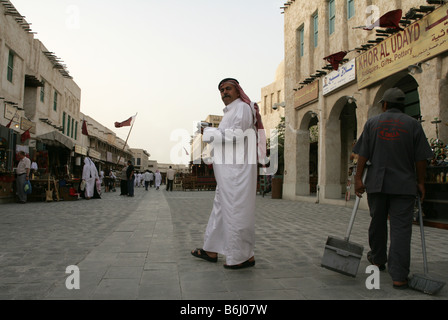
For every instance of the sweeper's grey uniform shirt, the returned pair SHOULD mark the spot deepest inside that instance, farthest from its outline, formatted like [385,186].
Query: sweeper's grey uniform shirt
[393,142]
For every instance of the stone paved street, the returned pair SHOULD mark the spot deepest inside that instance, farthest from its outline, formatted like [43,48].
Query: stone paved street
[139,248]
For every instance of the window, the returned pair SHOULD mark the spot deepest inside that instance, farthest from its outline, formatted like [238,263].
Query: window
[350,8]
[301,41]
[265,104]
[331,16]
[68,125]
[55,101]
[316,29]
[42,92]
[76,130]
[10,66]
[73,127]
[63,122]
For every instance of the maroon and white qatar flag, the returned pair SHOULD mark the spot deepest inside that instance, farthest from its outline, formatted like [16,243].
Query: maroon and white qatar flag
[25,136]
[9,124]
[389,20]
[125,123]
[336,58]
[84,128]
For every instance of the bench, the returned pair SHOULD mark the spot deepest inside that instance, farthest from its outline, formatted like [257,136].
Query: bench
[206,183]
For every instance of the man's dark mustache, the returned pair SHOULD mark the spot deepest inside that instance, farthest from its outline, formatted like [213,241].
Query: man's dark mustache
[226,96]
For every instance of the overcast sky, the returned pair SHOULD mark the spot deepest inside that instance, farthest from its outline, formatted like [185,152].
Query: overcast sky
[160,59]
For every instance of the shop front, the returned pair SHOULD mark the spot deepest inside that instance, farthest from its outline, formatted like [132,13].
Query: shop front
[7,146]
[324,131]
[52,156]
[415,60]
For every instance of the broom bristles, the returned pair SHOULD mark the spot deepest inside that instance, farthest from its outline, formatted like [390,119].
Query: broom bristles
[425,284]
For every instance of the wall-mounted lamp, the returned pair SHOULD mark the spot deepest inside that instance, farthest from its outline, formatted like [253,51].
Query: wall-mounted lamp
[277,105]
[351,99]
[416,68]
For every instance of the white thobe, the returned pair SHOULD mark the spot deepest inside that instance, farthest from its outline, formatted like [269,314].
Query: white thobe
[158,179]
[90,175]
[231,227]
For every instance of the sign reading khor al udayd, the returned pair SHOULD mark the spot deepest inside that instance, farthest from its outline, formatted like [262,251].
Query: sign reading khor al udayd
[418,42]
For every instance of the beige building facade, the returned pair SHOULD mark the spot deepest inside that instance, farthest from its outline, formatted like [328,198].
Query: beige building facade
[200,151]
[141,159]
[272,104]
[339,102]
[38,94]
[103,145]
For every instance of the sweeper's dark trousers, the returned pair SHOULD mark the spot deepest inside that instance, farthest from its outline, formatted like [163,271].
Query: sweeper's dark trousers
[400,209]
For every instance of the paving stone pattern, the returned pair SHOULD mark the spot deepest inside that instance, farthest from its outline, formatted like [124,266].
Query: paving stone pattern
[139,249]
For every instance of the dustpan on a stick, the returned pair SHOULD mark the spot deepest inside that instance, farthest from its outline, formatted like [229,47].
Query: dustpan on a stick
[424,282]
[341,255]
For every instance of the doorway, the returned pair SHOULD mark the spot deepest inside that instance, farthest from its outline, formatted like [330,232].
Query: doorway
[313,152]
[412,102]
[349,134]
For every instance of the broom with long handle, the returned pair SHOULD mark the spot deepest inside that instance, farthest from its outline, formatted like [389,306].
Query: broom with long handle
[423,282]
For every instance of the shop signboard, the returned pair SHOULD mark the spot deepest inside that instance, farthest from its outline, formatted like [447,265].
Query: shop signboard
[110,138]
[11,114]
[336,79]
[94,154]
[420,41]
[81,150]
[307,94]
[26,124]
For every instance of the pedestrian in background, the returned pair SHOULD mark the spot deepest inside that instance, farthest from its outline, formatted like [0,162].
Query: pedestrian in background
[124,181]
[170,179]
[34,168]
[158,179]
[112,179]
[130,177]
[101,175]
[397,149]
[147,178]
[138,177]
[151,179]
[23,175]
[90,176]
[106,179]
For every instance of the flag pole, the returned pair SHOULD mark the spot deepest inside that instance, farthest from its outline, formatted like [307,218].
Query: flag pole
[10,122]
[126,142]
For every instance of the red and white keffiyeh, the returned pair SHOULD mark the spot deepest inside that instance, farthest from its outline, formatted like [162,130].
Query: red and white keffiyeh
[258,123]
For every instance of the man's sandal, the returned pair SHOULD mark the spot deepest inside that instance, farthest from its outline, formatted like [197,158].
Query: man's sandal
[245,264]
[201,253]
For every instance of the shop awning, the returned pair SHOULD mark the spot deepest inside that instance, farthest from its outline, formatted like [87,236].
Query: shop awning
[55,138]
[32,81]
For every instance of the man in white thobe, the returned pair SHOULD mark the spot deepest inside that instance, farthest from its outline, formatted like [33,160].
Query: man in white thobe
[231,227]
[89,175]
